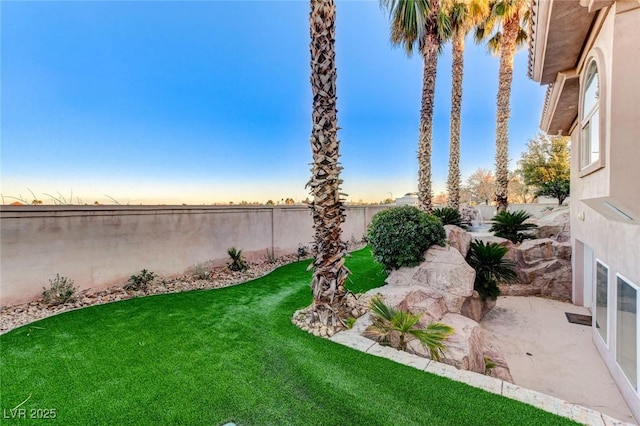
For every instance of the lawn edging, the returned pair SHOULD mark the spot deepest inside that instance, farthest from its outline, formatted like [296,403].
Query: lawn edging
[578,413]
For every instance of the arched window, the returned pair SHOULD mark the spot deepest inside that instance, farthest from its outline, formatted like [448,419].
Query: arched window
[590,122]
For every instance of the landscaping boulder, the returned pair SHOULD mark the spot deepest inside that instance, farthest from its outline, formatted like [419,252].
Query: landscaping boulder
[444,271]
[458,238]
[543,265]
[476,308]
[555,225]
[501,369]
[428,303]
[464,348]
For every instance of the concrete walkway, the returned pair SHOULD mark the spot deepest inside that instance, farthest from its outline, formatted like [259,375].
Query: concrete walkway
[563,375]
[547,353]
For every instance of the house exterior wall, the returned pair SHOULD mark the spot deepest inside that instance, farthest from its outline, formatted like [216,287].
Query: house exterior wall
[615,243]
[99,247]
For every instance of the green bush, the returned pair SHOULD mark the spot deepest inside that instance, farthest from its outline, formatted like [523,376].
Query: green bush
[399,236]
[510,225]
[237,260]
[491,268]
[450,216]
[60,291]
[140,282]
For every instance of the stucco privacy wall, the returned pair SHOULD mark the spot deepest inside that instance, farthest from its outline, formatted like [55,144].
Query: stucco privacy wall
[102,246]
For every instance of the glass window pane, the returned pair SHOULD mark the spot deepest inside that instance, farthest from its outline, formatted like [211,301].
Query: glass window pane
[594,137]
[626,335]
[591,93]
[602,302]
[585,146]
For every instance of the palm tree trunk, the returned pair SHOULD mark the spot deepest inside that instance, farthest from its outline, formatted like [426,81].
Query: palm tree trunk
[430,58]
[327,209]
[457,69]
[508,50]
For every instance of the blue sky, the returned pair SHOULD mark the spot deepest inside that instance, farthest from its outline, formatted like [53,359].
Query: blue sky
[204,102]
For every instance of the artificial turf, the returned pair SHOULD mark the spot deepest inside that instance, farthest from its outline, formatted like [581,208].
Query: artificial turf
[232,354]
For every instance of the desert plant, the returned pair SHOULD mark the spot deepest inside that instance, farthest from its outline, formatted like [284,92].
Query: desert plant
[491,268]
[140,282]
[510,225]
[237,260]
[271,256]
[302,251]
[61,290]
[397,327]
[201,272]
[399,236]
[450,216]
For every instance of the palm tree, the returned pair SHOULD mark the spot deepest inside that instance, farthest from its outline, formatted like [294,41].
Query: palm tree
[506,29]
[328,212]
[420,23]
[463,15]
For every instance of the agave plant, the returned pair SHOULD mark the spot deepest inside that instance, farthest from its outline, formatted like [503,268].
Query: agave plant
[237,260]
[450,216]
[397,327]
[491,268]
[510,225]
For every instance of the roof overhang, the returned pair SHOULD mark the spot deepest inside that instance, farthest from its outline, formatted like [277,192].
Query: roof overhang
[559,31]
[561,104]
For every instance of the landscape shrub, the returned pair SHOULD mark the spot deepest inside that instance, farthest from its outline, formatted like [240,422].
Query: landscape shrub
[201,272]
[397,327]
[140,282]
[302,251]
[399,236]
[491,268]
[237,260]
[450,216]
[510,225]
[61,290]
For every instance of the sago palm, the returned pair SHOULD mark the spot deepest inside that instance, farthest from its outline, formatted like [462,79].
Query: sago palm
[506,28]
[512,226]
[491,268]
[463,15]
[420,23]
[397,327]
[329,275]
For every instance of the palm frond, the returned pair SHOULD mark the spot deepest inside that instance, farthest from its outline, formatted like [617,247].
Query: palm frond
[433,338]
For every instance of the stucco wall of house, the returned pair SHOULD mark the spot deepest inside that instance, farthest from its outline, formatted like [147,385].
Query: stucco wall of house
[614,243]
[102,246]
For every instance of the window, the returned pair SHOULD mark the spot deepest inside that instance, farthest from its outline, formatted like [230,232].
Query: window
[590,138]
[626,330]
[602,300]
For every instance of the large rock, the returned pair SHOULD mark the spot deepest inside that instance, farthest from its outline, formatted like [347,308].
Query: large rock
[543,265]
[428,303]
[501,369]
[458,238]
[476,308]
[464,348]
[443,271]
[555,225]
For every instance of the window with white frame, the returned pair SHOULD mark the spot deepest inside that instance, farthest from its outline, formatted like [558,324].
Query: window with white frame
[627,329]
[590,123]
[602,300]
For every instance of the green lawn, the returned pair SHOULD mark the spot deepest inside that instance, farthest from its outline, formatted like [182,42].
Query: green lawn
[232,354]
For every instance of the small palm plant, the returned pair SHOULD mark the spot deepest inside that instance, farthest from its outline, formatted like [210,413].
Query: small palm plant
[491,268]
[510,225]
[450,216]
[237,260]
[397,327]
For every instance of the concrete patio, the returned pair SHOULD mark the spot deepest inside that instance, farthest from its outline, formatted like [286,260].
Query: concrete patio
[554,364]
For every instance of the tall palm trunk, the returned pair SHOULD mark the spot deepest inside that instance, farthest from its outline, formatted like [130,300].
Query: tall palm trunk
[508,48]
[430,58]
[457,70]
[328,211]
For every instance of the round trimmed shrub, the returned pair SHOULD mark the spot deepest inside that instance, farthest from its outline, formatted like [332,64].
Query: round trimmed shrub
[399,236]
